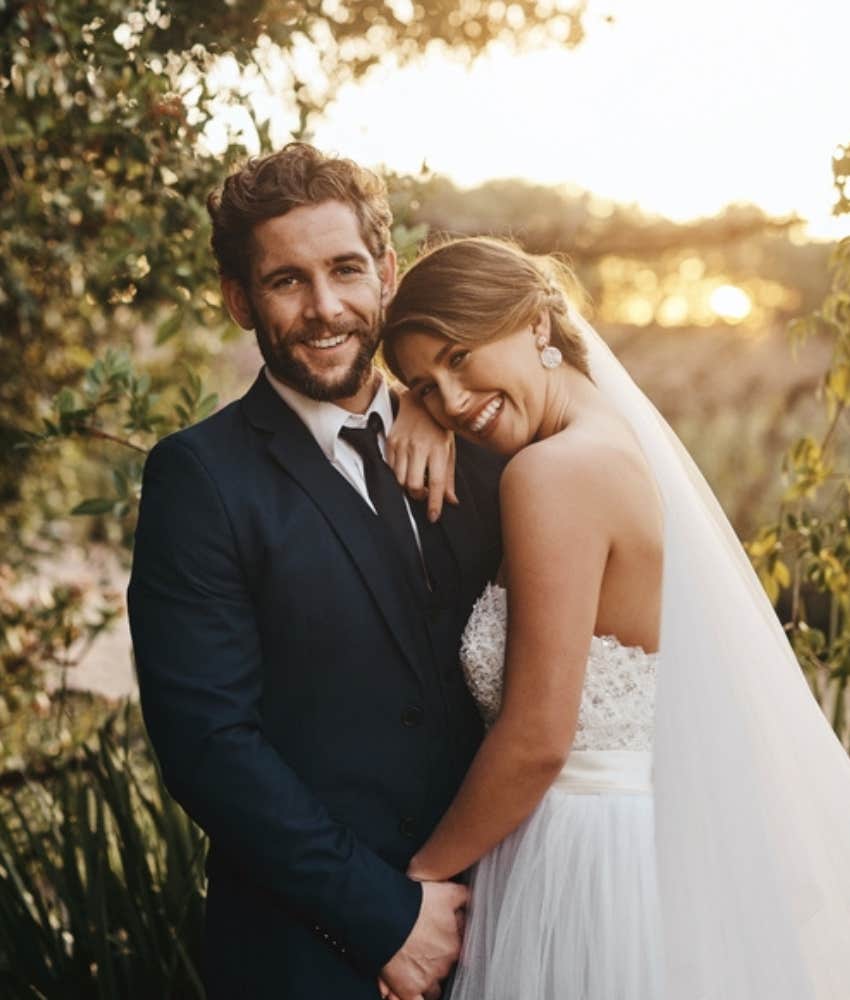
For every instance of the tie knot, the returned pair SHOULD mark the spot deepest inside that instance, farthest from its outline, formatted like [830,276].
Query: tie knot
[365,439]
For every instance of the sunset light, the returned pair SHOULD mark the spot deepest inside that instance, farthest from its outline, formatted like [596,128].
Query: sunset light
[730,303]
[722,115]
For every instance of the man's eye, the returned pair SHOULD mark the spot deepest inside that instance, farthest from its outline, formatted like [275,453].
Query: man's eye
[286,281]
[457,359]
[424,390]
[348,269]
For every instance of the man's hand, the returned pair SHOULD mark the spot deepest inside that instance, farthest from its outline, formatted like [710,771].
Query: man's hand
[422,455]
[432,947]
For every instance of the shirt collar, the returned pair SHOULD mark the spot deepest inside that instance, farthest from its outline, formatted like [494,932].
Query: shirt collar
[325,420]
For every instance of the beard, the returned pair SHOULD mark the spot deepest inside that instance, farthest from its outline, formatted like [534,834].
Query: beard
[282,363]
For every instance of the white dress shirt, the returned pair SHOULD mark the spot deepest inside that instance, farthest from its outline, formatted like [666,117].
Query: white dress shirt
[325,420]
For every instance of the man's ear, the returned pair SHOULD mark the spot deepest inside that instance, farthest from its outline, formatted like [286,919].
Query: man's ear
[387,271]
[238,303]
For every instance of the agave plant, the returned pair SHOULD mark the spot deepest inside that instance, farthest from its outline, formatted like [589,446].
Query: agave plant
[101,883]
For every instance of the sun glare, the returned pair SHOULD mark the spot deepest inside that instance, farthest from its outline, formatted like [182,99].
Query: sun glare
[628,115]
[641,112]
[730,303]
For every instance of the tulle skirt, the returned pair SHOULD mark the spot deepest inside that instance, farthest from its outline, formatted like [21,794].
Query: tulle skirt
[566,907]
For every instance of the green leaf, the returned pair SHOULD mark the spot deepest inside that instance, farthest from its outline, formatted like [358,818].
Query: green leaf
[167,329]
[66,401]
[206,406]
[99,505]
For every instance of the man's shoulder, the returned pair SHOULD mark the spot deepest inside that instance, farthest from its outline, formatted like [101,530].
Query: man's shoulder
[220,438]
[213,428]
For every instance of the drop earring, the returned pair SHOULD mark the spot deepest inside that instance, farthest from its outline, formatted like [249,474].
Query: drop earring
[550,356]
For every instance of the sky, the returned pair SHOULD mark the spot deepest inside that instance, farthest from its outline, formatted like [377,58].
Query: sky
[679,106]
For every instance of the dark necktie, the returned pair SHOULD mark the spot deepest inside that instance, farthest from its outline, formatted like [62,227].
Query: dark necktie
[385,492]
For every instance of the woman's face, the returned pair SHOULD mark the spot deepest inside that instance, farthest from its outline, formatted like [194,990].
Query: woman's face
[491,393]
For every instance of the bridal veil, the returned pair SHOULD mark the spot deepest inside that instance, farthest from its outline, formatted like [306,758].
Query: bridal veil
[752,788]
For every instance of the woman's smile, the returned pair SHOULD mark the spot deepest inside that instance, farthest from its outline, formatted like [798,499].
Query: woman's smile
[483,422]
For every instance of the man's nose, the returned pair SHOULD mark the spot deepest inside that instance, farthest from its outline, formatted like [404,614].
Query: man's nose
[323,303]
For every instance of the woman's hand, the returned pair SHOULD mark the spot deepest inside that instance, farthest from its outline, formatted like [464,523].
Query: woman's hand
[422,455]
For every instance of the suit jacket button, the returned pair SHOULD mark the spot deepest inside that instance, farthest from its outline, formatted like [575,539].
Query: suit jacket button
[407,827]
[412,716]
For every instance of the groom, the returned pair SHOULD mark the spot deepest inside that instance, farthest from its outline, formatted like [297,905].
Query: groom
[296,620]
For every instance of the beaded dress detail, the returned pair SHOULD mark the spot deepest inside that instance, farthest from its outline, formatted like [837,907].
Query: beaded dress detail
[566,906]
[618,699]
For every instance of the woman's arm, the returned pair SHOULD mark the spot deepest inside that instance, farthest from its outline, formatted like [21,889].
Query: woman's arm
[556,538]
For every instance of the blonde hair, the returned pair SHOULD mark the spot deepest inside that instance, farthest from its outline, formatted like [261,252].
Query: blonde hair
[477,289]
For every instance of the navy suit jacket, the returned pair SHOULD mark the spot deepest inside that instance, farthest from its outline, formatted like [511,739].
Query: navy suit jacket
[306,705]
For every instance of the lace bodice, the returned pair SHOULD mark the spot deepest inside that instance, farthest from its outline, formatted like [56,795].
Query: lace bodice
[618,700]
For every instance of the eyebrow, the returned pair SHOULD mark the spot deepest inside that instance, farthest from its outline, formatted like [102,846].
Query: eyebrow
[438,358]
[352,256]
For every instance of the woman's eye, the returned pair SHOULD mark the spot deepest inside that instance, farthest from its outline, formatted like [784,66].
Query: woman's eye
[424,390]
[457,359]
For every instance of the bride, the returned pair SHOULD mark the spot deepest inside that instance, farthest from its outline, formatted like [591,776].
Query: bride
[658,811]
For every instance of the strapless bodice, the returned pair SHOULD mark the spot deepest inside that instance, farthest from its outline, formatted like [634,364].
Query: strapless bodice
[617,709]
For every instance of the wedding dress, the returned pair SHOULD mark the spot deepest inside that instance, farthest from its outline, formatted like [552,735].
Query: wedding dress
[700,851]
[567,905]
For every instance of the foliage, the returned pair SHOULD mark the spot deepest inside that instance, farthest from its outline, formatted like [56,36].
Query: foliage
[103,206]
[101,881]
[46,630]
[50,629]
[804,552]
[113,395]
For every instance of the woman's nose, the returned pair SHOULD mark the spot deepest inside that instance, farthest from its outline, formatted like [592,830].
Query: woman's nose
[455,400]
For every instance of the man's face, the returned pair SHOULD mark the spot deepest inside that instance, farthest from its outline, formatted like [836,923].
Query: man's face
[316,301]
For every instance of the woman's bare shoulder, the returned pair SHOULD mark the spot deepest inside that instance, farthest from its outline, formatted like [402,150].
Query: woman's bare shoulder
[578,464]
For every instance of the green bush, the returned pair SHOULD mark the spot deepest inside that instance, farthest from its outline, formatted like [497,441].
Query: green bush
[101,880]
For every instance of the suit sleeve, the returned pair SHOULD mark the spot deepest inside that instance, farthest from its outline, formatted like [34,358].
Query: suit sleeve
[199,663]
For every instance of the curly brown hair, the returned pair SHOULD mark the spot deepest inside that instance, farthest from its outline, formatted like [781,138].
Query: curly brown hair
[299,174]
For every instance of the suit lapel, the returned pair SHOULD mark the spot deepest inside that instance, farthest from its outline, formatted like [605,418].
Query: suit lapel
[348,517]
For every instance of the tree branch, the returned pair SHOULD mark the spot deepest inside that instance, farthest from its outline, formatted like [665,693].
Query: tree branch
[86,431]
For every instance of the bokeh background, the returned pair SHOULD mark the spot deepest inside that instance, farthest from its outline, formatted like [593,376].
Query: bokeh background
[688,159]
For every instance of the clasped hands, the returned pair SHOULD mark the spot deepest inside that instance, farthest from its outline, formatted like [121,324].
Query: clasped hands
[432,947]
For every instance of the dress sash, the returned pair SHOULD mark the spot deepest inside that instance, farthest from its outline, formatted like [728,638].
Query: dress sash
[601,772]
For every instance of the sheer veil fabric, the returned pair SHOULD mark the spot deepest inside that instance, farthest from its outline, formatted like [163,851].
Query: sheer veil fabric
[752,788]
